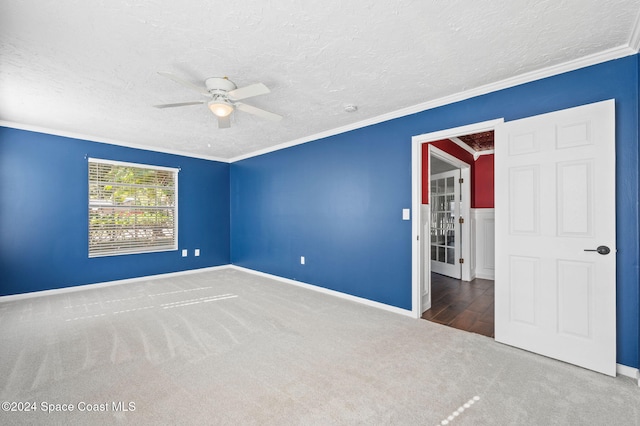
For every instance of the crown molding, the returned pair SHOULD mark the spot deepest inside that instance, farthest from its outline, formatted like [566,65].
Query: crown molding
[91,138]
[485,152]
[464,146]
[593,59]
[476,154]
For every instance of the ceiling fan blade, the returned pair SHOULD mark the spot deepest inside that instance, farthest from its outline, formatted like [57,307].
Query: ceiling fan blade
[257,111]
[248,91]
[180,104]
[201,90]
[224,122]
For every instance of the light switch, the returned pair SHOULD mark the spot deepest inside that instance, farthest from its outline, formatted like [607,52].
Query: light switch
[406,214]
[302,260]
[196,252]
[184,252]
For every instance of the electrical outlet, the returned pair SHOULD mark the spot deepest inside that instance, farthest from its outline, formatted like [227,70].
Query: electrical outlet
[196,252]
[185,252]
[302,260]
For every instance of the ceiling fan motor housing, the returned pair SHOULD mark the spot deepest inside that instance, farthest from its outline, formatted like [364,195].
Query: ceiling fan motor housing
[219,85]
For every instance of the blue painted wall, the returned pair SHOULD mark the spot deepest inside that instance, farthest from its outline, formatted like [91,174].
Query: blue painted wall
[338,201]
[44,214]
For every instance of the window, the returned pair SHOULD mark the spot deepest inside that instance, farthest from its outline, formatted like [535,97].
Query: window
[133,208]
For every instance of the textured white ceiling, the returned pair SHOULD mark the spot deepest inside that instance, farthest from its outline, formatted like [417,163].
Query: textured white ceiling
[90,67]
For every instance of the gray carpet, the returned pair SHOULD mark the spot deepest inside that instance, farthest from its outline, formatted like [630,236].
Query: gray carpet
[228,347]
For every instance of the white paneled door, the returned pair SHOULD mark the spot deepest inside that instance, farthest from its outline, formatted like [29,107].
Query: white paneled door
[555,286]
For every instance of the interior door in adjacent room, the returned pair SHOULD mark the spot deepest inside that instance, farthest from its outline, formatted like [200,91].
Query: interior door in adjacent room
[555,286]
[445,226]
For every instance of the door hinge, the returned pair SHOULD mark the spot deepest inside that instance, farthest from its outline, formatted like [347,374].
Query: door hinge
[461,260]
[418,237]
[461,220]
[461,180]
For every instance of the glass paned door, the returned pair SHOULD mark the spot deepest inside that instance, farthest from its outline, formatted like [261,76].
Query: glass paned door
[445,227]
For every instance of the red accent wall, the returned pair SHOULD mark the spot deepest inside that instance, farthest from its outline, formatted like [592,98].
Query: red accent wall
[482,193]
[483,182]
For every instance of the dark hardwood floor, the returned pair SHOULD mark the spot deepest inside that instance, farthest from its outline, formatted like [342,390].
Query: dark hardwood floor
[461,304]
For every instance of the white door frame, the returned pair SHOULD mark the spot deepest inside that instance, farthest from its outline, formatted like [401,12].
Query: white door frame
[416,201]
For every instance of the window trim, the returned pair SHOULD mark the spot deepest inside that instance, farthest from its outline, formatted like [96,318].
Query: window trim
[174,170]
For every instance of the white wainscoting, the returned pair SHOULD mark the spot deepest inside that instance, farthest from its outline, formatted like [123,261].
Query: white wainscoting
[483,231]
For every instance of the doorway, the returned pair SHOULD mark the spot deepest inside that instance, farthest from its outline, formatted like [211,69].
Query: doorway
[424,295]
[460,300]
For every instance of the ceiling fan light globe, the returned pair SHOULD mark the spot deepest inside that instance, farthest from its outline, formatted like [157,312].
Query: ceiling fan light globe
[220,108]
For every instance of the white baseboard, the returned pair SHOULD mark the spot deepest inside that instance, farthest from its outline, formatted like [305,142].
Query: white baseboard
[624,370]
[356,299]
[63,290]
[490,277]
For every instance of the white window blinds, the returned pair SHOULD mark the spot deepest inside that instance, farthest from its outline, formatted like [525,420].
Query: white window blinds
[133,208]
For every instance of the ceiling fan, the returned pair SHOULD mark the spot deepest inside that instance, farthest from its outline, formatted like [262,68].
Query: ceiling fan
[223,97]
